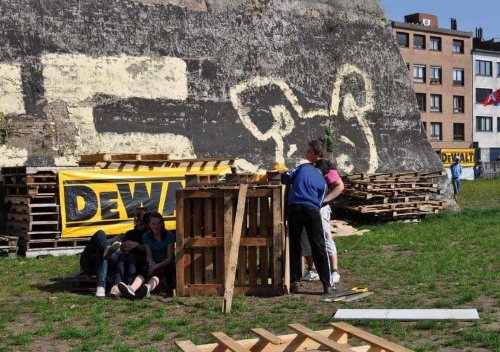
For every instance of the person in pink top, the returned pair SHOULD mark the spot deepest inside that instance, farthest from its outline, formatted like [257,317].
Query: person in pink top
[335,187]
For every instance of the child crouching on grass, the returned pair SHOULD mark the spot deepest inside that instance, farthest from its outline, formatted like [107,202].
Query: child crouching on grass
[159,247]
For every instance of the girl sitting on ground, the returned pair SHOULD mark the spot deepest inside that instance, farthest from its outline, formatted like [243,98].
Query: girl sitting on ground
[160,258]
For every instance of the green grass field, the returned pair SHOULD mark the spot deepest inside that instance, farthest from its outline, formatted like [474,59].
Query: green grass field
[449,260]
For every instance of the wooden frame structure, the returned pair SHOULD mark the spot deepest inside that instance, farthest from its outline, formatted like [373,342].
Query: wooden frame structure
[334,339]
[210,223]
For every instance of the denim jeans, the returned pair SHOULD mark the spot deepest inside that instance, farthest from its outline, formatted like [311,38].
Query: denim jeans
[456,185]
[126,268]
[92,261]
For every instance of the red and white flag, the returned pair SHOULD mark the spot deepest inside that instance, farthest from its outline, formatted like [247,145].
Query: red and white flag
[493,98]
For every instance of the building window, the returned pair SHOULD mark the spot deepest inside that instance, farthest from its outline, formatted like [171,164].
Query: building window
[483,123]
[435,102]
[481,94]
[435,75]
[458,104]
[458,132]
[436,131]
[421,101]
[458,46]
[403,39]
[418,41]
[498,69]
[419,73]
[458,76]
[498,124]
[408,67]
[483,68]
[435,43]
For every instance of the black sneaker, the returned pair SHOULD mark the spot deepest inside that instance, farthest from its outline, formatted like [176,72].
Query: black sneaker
[126,290]
[295,287]
[142,292]
[330,291]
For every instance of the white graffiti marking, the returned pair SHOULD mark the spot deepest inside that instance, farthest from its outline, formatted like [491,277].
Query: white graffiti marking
[284,124]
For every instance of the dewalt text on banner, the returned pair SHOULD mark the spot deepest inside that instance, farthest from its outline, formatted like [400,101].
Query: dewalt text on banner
[106,200]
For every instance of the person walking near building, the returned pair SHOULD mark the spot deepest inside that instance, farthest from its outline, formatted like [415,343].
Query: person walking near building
[456,172]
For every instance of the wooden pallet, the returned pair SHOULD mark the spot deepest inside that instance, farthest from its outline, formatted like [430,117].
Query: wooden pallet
[200,163]
[8,246]
[79,242]
[205,224]
[110,157]
[303,339]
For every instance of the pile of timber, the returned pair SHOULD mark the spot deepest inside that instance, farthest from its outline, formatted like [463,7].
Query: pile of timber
[392,195]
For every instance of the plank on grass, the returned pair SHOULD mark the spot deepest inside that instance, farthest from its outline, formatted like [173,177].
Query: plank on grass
[233,247]
[268,337]
[228,342]
[325,341]
[408,314]
[374,340]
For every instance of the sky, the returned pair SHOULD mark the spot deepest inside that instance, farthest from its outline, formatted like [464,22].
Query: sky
[469,13]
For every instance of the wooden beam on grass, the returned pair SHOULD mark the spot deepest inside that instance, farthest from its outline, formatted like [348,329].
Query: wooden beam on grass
[268,337]
[377,343]
[228,342]
[324,341]
[231,257]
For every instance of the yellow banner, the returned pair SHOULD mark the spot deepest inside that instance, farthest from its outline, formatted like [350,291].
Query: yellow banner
[466,156]
[106,199]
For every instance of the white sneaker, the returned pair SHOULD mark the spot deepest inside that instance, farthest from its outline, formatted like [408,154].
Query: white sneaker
[310,276]
[100,292]
[335,277]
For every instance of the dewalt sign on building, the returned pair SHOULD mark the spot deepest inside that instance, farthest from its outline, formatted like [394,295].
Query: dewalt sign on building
[106,200]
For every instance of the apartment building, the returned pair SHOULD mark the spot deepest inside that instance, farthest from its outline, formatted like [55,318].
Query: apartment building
[440,65]
[486,119]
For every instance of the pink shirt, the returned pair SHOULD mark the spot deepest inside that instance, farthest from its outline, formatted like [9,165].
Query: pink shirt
[332,176]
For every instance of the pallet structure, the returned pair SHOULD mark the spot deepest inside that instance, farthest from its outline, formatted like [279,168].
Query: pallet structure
[8,246]
[227,231]
[31,198]
[392,195]
[303,339]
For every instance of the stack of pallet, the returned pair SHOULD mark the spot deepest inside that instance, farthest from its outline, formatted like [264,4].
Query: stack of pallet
[31,197]
[392,195]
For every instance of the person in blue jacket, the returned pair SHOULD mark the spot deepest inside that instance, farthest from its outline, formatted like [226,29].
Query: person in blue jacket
[456,172]
[305,198]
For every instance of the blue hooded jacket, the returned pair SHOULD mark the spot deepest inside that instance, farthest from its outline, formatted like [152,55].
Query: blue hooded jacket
[308,186]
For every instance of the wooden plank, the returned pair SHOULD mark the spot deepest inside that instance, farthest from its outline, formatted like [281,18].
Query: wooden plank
[219,242]
[355,297]
[265,231]
[232,258]
[218,290]
[252,252]
[228,228]
[277,241]
[198,260]
[187,346]
[219,232]
[268,337]
[374,340]
[180,255]
[408,314]
[228,342]
[324,341]
[286,244]
[209,233]
[242,254]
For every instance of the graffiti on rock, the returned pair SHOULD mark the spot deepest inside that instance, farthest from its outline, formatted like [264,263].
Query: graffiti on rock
[142,104]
